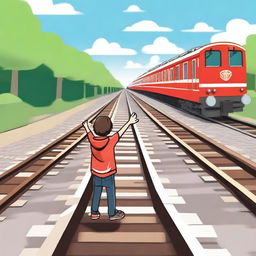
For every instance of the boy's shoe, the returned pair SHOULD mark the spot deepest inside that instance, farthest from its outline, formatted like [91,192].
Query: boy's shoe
[95,216]
[118,216]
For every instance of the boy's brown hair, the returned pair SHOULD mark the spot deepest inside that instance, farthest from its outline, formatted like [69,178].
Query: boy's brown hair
[102,125]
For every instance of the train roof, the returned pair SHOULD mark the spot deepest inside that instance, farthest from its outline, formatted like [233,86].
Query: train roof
[184,54]
[174,58]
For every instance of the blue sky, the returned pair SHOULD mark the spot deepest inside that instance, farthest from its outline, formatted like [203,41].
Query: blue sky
[82,22]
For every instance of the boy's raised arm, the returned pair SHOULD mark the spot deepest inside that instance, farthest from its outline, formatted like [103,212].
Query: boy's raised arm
[88,128]
[133,120]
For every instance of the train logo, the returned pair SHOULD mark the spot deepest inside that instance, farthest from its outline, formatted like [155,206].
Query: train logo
[225,74]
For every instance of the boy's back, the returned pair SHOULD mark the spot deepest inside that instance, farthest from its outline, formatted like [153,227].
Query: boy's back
[103,162]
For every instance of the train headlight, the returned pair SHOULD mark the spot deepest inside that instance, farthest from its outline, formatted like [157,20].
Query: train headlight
[210,101]
[246,99]
[241,89]
[214,90]
[208,91]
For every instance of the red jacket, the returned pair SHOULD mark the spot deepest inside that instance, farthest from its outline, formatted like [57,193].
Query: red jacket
[103,163]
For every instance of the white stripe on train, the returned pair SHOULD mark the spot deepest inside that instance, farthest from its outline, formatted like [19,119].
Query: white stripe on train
[217,85]
[223,85]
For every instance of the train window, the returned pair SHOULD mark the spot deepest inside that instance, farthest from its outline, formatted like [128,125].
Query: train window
[235,58]
[212,58]
[172,74]
[193,69]
[177,72]
[185,70]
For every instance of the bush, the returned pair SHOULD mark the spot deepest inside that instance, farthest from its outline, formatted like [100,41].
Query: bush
[5,80]
[72,90]
[37,86]
[251,81]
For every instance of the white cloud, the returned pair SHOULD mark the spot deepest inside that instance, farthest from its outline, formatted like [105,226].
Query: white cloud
[201,27]
[154,60]
[47,7]
[102,47]
[146,26]
[133,65]
[237,31]
[133,8]
[162,45]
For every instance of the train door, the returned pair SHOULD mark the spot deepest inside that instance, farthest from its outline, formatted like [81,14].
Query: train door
[194,74]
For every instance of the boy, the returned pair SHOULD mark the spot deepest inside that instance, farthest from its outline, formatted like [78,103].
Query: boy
[103,164]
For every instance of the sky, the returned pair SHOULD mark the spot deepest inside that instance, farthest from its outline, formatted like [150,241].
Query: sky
[130,37]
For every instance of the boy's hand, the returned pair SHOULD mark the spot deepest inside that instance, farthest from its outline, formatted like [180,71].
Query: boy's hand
[84,123]
[133,118]
[86,126]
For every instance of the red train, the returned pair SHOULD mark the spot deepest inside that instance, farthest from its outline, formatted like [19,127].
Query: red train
[209,80]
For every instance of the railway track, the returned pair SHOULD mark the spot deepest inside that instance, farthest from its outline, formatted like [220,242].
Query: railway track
[17,180]
[152,226]
[233,170]
[238,125]
[241,126]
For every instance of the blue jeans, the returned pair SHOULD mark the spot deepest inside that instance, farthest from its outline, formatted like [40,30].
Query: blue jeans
[98,184]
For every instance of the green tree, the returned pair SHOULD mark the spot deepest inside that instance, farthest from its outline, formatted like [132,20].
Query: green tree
[251,61]
[23,46]
[20,35]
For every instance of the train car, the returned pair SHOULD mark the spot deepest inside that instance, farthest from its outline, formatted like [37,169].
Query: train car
[209,80]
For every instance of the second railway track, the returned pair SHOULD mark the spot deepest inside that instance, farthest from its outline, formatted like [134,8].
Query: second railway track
[238,125]
[235,171]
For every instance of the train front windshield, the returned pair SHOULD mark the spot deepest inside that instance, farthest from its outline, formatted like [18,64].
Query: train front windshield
[212,58]
[235,58]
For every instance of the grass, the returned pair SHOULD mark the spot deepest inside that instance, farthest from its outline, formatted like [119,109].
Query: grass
[16,113]
[250,109]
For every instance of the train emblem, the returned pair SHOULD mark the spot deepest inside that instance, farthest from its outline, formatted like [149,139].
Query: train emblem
[225,74]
